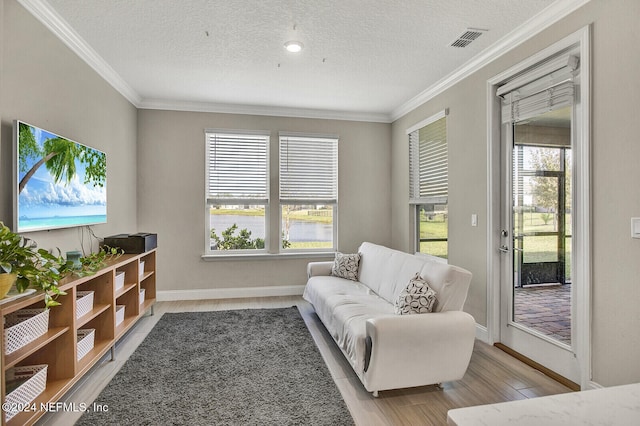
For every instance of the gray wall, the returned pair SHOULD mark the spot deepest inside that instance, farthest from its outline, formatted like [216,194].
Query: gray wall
[615,128]
[45,84]
[171,190]
[3,155]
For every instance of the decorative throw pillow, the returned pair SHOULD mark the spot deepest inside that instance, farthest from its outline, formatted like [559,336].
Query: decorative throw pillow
[416,298]
[346,266]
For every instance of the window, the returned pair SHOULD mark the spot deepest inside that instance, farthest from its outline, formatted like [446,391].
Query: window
[237,191]
[308,192]
[428,181]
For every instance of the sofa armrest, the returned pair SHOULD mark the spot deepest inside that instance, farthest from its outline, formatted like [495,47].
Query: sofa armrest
[437,345]
[315,269]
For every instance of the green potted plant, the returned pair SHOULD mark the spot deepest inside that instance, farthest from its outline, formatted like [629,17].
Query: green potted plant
[90,263]
[22,263]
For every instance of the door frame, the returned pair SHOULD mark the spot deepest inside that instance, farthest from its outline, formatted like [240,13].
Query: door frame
[582,197]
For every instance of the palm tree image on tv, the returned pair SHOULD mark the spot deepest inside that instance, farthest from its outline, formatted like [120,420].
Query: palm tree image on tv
[61,183]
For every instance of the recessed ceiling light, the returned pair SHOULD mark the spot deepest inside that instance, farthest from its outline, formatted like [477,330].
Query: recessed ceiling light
[293,46]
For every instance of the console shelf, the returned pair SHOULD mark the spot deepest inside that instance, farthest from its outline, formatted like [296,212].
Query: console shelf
[97,310]
[125,289]
[58,346]
[22,353]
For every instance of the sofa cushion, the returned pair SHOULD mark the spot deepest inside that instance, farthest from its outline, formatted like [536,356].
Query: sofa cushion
[416,298]
[450,283]
[346,266]
[344,308]
[386,271]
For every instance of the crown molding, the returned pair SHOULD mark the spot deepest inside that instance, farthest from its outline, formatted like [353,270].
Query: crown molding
[47,15]
[263,110]
[43,12]
[547,17]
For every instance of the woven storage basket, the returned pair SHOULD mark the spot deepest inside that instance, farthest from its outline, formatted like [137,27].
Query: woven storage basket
[28,391]
[142,292]
[119,314]
[86,339]
[119,280]
[84,303]
[24,326]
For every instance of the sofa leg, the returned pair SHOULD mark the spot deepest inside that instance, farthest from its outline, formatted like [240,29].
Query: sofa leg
[375,394]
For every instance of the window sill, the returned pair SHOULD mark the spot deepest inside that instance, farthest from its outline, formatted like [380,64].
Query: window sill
[268,256]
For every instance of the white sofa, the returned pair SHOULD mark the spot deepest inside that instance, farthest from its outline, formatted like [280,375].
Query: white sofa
[386,350]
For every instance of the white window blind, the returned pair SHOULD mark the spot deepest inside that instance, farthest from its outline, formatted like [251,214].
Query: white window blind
[544,88]
[428,163]
[308,169]
[515,108]
[237,166]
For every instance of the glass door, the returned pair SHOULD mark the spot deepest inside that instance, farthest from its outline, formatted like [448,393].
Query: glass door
[541,234]
[537,300]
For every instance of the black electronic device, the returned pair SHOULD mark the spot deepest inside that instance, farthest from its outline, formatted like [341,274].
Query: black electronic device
[133,243]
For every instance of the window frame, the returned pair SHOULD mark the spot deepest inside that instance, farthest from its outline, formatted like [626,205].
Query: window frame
[211,201]
[416,201]
[331,201]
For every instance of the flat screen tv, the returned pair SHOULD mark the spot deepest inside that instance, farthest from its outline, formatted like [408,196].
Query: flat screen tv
[58,183]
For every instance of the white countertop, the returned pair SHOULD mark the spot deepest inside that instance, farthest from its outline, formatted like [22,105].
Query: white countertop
[618,405]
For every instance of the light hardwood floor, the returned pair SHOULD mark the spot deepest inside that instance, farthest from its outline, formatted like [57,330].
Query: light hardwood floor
[493,376]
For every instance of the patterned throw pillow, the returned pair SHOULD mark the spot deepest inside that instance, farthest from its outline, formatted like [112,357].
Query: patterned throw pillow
[416,298]
[346,266]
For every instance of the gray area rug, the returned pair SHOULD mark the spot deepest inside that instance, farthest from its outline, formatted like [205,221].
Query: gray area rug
[245,367]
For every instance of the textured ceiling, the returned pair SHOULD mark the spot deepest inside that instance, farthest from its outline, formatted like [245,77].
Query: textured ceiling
[360,56]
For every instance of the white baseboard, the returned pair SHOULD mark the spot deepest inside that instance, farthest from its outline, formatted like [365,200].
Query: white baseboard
[228,293]
[593,385]
[482,333]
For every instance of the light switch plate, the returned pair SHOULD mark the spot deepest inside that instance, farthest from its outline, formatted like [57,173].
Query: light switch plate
[474,220]
[635,227]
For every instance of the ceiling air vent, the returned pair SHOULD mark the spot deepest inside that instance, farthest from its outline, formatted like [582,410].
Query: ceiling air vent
[467,37]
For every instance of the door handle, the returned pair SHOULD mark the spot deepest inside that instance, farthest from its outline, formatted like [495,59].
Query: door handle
[504,249]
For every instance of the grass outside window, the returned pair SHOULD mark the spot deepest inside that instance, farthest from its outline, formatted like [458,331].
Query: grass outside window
[434,226]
